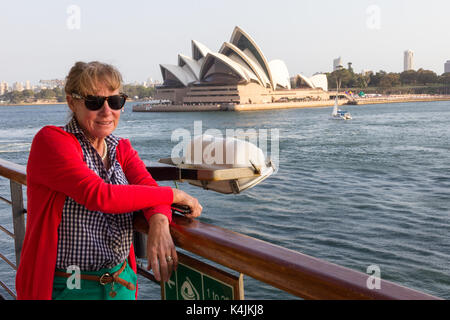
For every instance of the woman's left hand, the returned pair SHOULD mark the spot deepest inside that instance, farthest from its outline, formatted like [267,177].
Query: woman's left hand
[161,254]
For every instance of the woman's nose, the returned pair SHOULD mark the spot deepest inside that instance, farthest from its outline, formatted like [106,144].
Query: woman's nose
[106,108]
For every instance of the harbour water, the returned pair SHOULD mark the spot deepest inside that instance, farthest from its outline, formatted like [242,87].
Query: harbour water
[371,191]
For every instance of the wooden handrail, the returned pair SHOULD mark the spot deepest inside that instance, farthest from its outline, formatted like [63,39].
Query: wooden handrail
[293,272]
[13,171]
[296,273]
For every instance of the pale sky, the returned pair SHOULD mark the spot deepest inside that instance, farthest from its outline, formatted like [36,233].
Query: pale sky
[42,39]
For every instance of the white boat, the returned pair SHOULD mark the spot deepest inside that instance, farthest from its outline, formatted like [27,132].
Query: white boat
[339,114]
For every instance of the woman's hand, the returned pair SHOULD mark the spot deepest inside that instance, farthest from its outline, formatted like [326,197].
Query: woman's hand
[161,254]
[181,197]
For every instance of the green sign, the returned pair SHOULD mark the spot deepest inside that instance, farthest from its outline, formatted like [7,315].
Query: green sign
[199,281]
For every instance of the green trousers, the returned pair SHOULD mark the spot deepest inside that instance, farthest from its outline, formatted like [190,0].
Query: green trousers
[66,288]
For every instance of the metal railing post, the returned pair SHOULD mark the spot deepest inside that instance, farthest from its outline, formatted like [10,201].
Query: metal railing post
[140,245]
[18,216]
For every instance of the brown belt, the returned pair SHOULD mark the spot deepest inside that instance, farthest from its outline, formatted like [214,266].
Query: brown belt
[104,278]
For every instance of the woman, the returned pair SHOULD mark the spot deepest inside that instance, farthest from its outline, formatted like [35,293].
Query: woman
[83,185]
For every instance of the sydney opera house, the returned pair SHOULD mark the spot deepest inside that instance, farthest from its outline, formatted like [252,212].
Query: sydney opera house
[238,73]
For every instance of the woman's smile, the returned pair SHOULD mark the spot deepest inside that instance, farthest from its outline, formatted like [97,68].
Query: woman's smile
[104,122]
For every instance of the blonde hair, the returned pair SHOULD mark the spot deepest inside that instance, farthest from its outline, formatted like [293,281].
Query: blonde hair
[85,78]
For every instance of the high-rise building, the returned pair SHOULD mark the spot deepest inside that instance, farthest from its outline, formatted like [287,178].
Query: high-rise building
[17,86]
[152,83]
[447,66]
[337,64]
[408,60]
[3,88]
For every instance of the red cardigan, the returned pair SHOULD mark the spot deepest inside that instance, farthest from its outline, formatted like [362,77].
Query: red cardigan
[56,170]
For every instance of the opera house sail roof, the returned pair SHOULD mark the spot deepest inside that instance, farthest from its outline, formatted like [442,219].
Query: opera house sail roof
[240,61]
[244,42]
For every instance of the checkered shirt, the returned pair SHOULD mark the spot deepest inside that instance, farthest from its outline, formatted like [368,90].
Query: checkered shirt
[93,240]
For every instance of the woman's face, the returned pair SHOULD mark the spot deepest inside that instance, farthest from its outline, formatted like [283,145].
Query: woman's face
[96,124]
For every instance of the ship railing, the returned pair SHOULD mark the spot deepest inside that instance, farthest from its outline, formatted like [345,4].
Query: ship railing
[293,272]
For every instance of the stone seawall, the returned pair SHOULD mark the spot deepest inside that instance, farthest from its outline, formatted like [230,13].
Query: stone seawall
[286,105]
[282,105]
[401,99]
[232,107]
[176,108]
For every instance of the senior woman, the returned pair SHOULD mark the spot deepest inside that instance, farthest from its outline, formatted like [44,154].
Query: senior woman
[83,186]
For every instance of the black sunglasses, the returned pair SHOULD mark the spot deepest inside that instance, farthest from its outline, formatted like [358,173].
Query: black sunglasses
[95,103]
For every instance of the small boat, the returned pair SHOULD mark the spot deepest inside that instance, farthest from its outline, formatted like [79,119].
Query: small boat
[339,114]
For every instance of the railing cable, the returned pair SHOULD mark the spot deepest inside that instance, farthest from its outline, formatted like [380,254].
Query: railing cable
[8,261]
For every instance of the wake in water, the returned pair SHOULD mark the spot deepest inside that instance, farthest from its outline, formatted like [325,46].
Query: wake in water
[14,147]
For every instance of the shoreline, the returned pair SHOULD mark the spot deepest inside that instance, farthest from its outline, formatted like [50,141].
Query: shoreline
[25,104]
[263,106]
[286,105]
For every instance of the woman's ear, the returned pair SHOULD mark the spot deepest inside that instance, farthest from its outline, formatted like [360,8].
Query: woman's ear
[70,102]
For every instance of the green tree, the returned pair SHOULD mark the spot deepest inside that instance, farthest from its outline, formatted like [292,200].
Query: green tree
[16,97]
[409,77]
[28,94]
[342,78]
[60,95]
[426,76]
[46,94]
[376,78]
[138,91]
[390,80]
[445,79]
[362,80]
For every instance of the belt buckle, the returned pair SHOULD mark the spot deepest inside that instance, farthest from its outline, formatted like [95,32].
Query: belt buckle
[103,279]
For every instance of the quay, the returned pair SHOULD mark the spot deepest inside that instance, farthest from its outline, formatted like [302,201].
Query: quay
[148,107]
[296,273]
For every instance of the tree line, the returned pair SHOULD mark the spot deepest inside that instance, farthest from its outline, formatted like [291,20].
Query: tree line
[388,80]
[57,94]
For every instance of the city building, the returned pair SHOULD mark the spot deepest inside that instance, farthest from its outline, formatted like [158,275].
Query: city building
[447,66]
[408,60]
[337,64]
[3,88]
[150,83]
[17,86]
[238,73]
[50,84]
